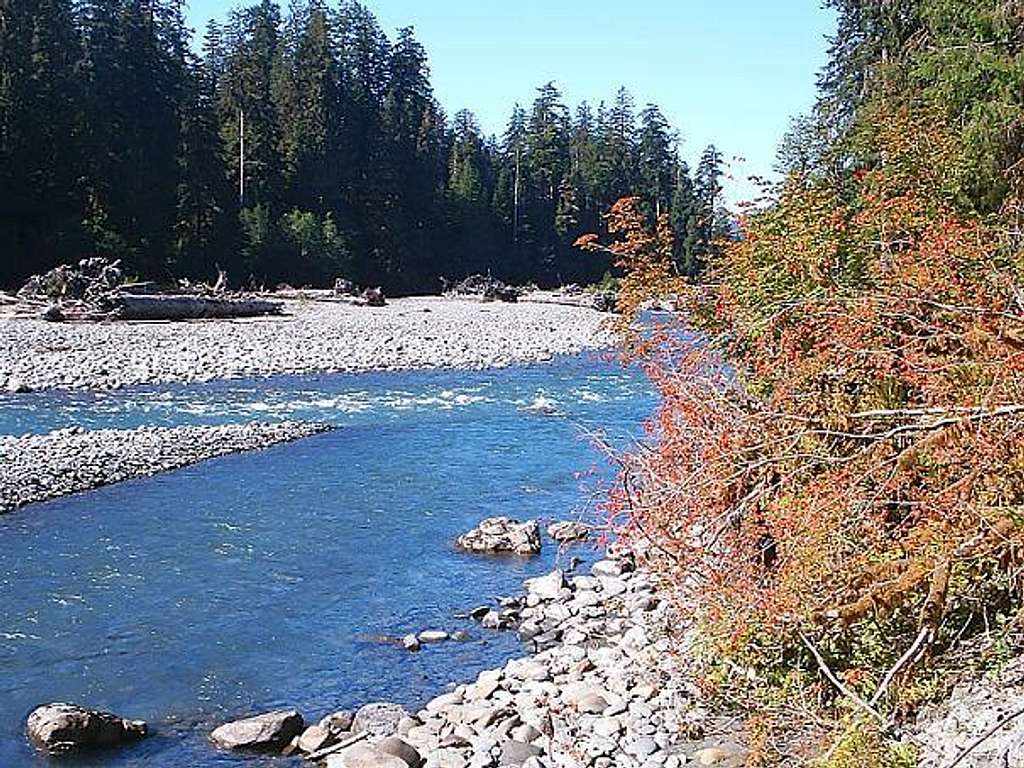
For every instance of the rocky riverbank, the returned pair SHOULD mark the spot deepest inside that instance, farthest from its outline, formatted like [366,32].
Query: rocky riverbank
[595,690]
[598,687]
[599,690]
[314,336]
[36,468]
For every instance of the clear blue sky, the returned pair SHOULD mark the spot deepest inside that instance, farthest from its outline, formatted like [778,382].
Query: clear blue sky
[730,72]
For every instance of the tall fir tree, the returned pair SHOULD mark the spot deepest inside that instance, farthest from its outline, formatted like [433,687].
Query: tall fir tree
[40,150]
[296,149]
[656,164]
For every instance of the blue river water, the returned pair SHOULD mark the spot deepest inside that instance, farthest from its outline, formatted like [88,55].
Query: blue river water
[253,581]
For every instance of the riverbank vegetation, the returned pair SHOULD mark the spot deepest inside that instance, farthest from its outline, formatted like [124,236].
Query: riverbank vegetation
[834,483]
[303,146]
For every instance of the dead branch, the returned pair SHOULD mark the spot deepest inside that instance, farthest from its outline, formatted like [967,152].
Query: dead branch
[910,653]
[843,689]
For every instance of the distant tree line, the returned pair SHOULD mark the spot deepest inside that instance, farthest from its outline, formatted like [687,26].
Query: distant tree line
[301,146]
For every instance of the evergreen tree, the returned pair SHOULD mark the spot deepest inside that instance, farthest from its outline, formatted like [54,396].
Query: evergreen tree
[400,204]
[547,141]
[473,237]
[250,131]
[508,196]
[684,217]
[702,229]
[40,159]
[466,171]
[206,217]
[656,162]
[294,149]
[583,158]
[617,149]
[309,108]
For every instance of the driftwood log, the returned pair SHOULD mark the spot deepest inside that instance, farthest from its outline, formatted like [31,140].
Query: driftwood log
[601,301]
[171,307]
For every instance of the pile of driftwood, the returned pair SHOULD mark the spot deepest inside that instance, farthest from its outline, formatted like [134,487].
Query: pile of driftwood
[347,291]
[482,287]
[95,289]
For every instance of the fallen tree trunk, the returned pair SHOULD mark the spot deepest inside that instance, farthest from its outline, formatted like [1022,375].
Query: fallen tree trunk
[602,302]
[153,307]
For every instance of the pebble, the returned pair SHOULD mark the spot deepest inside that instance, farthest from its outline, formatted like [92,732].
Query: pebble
[642,747]
[607,726]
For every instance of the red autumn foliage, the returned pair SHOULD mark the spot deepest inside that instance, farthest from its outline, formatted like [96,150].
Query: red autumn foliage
[841,455]
[643,253]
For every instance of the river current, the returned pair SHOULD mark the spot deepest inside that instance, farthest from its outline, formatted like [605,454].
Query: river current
[255,581]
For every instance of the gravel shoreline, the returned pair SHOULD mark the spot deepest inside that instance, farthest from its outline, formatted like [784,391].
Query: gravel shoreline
[37,468]
[314,337]
[600,690]
[595,688]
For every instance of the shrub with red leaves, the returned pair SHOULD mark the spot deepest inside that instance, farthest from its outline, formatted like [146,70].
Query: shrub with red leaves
[835,476]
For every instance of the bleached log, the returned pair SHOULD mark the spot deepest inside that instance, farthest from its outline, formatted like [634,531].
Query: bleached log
[583,300]
[142,307]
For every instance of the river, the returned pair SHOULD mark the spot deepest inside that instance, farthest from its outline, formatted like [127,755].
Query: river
[252,581]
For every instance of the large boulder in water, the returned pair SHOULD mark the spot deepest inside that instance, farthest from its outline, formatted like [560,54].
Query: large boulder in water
[60,729]
[568,531]
[270,732]
[502,535]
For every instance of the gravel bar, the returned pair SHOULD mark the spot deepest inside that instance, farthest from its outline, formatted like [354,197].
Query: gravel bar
[314,337]
[36,468]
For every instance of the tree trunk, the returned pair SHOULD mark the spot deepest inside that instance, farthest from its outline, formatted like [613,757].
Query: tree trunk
[128,307]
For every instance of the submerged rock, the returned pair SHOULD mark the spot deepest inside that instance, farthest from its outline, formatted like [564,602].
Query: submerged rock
[502,535]
[67,728]
[433,636]
[269,732]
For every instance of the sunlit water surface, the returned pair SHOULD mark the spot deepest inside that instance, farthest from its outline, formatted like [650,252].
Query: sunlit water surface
[252,581]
